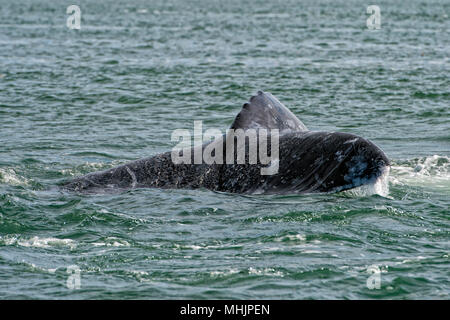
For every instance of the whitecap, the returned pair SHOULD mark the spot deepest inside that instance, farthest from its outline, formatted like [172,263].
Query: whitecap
[432,171]
[38,242]
[265,272]
[9,176]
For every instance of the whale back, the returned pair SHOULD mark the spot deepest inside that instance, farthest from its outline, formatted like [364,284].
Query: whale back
[264,111]
[307,161]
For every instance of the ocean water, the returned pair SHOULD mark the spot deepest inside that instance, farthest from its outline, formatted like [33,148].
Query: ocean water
[78,101]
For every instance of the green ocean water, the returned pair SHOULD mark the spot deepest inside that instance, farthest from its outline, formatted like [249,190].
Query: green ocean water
[78,101]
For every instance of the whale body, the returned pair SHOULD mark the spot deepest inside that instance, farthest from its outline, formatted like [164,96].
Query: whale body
[308,161]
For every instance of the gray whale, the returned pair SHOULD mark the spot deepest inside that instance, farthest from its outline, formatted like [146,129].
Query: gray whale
[309,161]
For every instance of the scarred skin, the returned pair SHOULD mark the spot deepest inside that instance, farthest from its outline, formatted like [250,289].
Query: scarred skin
[309,161]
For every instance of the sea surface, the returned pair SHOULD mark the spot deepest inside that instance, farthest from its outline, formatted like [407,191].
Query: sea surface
[77,101]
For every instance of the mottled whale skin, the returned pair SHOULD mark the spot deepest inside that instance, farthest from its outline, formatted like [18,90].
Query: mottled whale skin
[309,161]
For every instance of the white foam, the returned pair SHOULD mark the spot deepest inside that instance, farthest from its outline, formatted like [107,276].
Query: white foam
[112,242]
[39,268]
[292,237]
[37,242]
[312,251]
[9,176]
[141,276]
[265,272]
[432,171]
[223,273]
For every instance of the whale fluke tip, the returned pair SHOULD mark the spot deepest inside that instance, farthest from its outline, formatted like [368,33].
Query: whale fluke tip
[265,111]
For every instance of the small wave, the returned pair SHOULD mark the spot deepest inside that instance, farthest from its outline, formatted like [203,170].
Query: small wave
[37,242]
[188,247]
[88,167]
[265,272]
[223,273]
[408,260]
[9,176]
[112,242]
[432,171]
[291,238]
[138,275]
[35,267]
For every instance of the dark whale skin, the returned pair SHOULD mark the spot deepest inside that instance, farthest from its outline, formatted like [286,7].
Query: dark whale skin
[309,161]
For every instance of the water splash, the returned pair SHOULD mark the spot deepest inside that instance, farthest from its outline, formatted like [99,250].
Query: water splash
[379,187]
[431,172]
[9,176]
